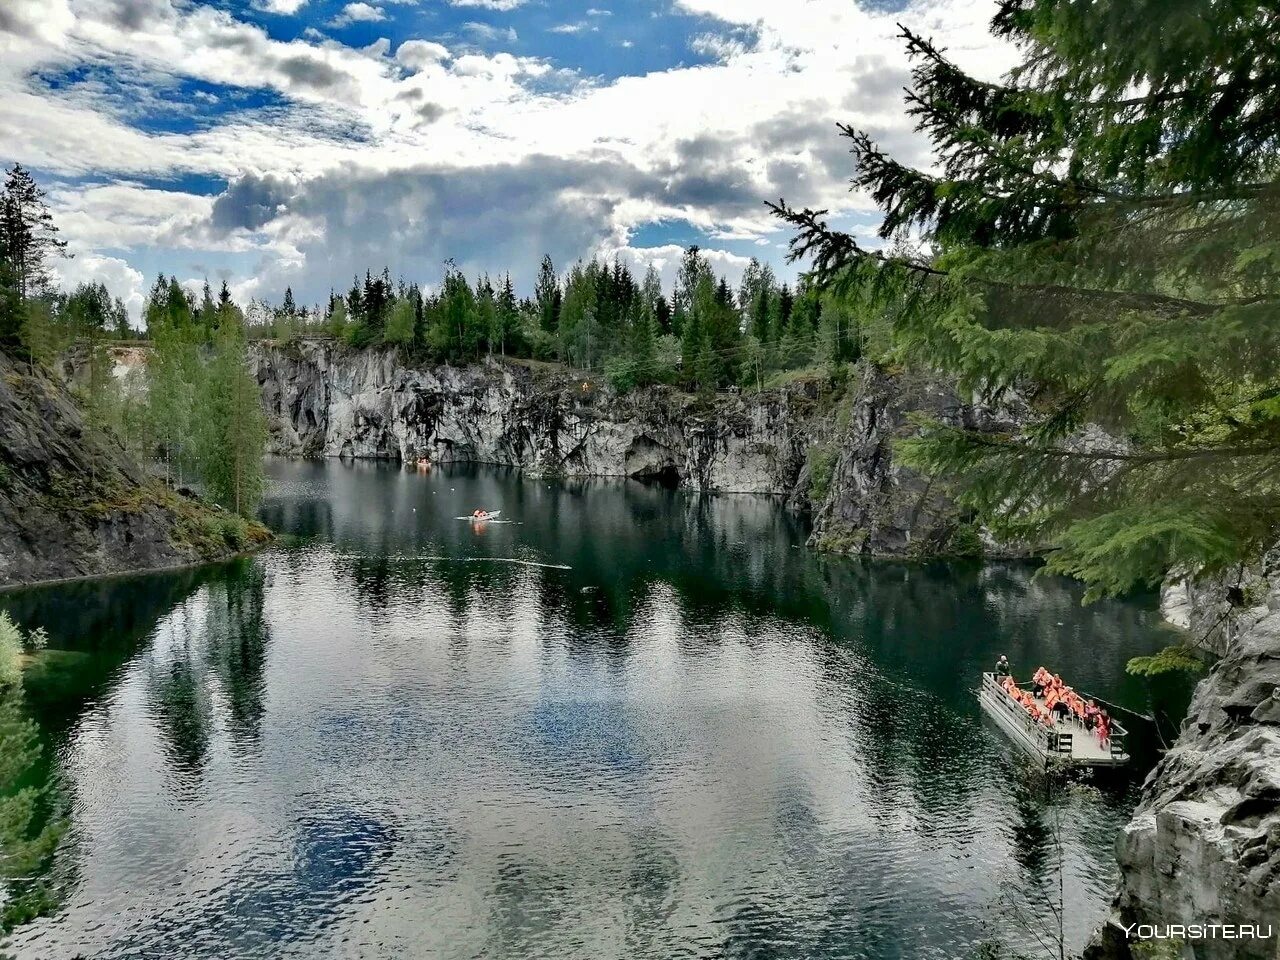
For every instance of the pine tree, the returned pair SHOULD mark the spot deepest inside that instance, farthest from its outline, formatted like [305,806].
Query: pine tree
[28,235]
[119,319]
[1102,231]
[224,297]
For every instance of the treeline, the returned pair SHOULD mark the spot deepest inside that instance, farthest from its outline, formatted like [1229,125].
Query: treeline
[194,408]
[599,317]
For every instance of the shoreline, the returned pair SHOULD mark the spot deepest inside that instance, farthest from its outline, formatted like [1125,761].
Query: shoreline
[137,572]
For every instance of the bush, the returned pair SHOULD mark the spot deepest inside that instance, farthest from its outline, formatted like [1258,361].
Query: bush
[621,374]
[230,529]
[359,336]
[10,652]
[965,541]
[822,467]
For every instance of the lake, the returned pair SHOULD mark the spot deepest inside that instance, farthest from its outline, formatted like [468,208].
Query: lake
[631,722]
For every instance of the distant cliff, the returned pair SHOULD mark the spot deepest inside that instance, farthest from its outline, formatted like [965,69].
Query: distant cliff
[74,504]
[823,447]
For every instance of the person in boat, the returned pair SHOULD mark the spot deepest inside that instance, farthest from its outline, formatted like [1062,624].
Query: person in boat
[1090,715]
[480,514]
[1104,728]
[1038,681]
[1002,667]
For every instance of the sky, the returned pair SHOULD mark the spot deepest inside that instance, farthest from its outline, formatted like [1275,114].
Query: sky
[297,143]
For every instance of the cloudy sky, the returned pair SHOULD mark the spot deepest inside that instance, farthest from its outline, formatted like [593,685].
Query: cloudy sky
[297,142]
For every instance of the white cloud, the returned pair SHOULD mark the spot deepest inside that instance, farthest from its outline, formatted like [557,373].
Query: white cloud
[487,31]
[714,45]
[358,12]
[283,6]
[120,278]
[418,54]
[427,152]
[580,26]
[500,5]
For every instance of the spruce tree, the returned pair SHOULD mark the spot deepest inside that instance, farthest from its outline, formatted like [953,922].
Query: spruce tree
[547,296]
[1102,235]
[507,332]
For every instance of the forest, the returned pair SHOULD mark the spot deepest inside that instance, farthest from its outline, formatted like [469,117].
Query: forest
[597,317]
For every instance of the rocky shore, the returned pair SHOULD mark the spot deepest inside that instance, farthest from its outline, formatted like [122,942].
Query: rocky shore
[824,448]
[1203,846]
[74,504]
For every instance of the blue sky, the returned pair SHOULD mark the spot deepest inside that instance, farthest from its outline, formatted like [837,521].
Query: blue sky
[280,143]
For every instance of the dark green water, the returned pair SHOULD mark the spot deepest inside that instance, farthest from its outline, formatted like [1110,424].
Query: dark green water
[668,730]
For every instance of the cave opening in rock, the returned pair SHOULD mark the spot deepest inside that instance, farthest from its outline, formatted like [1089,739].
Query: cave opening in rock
[666,476]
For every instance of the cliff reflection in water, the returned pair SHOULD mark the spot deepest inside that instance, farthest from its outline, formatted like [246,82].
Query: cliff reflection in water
[667,729]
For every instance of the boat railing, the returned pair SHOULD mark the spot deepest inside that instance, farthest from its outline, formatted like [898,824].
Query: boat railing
[1018,713]
[1053,740]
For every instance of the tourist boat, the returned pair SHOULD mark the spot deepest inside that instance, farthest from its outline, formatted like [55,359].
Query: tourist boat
[1067,741]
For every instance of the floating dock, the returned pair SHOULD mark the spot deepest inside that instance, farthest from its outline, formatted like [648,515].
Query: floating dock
[1067,741]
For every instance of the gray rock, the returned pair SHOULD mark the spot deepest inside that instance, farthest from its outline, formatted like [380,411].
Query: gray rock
[327,400]
[1204,843]
[73,503]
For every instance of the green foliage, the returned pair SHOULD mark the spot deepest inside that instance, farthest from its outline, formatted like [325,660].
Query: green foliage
[621,373]
[230,529]
[29,832]
[28,238]
[336,325]
[10,652]
[1179,658]
[400,324]
[232,429]
[965,541]
[822,467]
[29,826]
[1102,237]
[1158,949]
[175,381]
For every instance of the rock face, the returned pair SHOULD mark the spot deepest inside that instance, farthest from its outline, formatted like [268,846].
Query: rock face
[74,504]
[823,448]
[1204,844]
[875,505]
[324,400]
